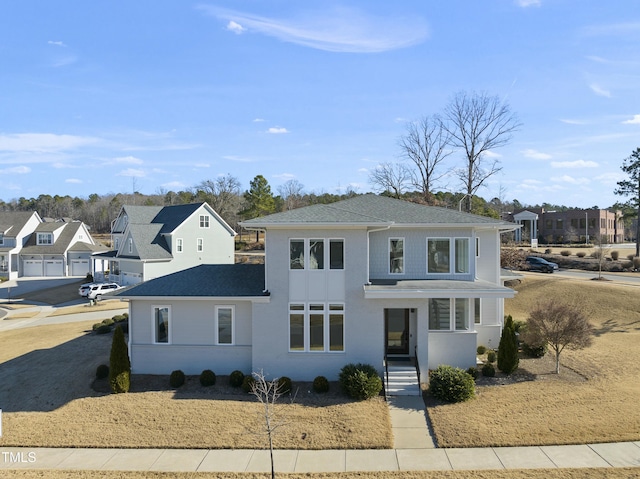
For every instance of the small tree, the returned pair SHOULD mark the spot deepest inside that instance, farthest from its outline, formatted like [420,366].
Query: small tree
[560,326]
[631,187]
[508,349]
[119,364]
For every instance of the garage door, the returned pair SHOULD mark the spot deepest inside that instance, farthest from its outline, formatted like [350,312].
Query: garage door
[32,267]
[53,267]
[79,267]
[131,278]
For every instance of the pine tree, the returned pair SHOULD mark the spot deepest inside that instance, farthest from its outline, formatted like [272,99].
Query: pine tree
[508,349]
[119,364]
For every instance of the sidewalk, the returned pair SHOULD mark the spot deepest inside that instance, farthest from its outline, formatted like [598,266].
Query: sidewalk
[414,451]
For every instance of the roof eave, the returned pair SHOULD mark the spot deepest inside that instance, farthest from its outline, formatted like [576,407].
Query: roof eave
[253,299]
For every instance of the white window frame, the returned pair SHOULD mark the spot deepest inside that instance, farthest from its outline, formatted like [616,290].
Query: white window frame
[453,257]
[200,245]
[477,310]
[326,312]
[305,260]
[130,245]
[470,322]
[403,255]
[116,244]
[154,338]
[45,239]
[233,324]
[336,240]
[204,221]
[179,245]
[438,238]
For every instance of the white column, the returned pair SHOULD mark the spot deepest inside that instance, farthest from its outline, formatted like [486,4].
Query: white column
[423,342]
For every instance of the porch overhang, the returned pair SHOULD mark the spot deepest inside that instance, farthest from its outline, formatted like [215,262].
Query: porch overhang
[418,289]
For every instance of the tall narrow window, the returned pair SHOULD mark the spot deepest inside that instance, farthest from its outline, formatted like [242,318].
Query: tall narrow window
[462,314]
[438,256]
[200,246]
[336,254]
[130,245]
[396,255]
[296,327]
[316,254]
[476,311]
[224,319]
[462,255]
[179,245]
[316,327]
[336,327]
[296,254]
[161,324]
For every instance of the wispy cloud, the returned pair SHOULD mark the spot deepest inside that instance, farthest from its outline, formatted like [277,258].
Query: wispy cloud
[570,180]
[132,160]
[573,122]
[174,185]
[56,43]
[337,30]
[132,172]
[598,90]
[536,155]
[574,164]
[633,121]
[285,176]
[43,142]
[16,170]
[239,159]
[528,3]
[277,130]
[202,165]
[258,120]
[74,181]
[614,29]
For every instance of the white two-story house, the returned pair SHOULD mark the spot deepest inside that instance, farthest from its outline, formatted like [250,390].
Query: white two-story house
[152,241]
[359,280]
[16,228]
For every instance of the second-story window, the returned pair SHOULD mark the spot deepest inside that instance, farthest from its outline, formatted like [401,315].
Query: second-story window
[316,254]
[200,245]
[396,255]
[204,221]
[336,254]
[45,238]
[313,254]
[1,239]
[179,245]
[130,245]
[296,254]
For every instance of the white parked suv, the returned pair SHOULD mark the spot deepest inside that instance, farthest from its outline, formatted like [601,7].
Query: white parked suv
[97,290]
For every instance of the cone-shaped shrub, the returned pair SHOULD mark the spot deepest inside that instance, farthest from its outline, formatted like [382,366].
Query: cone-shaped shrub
[508,349]
[119,364]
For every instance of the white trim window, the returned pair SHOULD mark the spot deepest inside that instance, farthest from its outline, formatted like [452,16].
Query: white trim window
[477,311]
[130,245]
[312,254]
[316,254]
[162,325]
[1,239]
[204,221]
[448,255]
[336,254]
[179,245]
[225,325]
[449,314]
[116,244]
[200,245]
[396,255]
[45,238]
[296,254]
[316,327]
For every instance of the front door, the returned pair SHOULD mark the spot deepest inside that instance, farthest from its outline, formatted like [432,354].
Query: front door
[397,331]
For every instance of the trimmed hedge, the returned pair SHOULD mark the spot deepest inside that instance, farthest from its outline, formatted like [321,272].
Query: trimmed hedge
[207,378]
[119,363]
[451,384]
[236,378]
[360,381]
[176,379]
[321,384]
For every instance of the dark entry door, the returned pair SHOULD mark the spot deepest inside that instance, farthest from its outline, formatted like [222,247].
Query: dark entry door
[397,331]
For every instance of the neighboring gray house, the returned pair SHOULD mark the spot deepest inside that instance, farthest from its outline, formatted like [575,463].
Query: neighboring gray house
[15,229]
[58,248]
[361,280]
[152,241]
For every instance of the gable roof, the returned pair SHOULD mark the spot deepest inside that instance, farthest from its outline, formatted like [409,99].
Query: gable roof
[60,246]
[149,242]
[206,280]
[374,210]
[11,222]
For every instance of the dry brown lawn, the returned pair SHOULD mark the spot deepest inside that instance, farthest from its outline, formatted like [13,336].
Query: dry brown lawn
[48,401]
[594,399]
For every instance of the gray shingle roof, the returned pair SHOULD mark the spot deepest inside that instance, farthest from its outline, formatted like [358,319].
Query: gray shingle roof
[149,243]
[206,280]
[11,222]
[60,246]
[372,209]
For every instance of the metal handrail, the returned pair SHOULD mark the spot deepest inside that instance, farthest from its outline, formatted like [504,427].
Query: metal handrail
[386,375]
[415,355]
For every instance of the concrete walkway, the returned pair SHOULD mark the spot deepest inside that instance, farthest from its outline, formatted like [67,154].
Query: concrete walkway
[414,451]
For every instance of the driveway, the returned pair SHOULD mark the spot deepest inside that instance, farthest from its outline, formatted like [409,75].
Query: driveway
[19,288]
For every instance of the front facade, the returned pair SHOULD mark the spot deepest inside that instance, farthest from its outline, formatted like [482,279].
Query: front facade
[361,280]
[16,228]
[153,241]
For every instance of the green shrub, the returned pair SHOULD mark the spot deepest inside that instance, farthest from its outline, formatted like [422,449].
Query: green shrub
[473,372]
[636,262]
[126,315]
[119,363]
[236,378]
[581,254]
[360,381]
[481,350]
[284,385]
[103,329]
[118,318]
[488,370]
[491,356]
[321,384]
[508,349]
[615,255]
[88,278]
[565,252]
[247,383]
[627,264]
[207,377]
[102,371]
[597,254]
[548,251]
[96,326]
[108,321]
[534,350]
[451,384]
[176,379]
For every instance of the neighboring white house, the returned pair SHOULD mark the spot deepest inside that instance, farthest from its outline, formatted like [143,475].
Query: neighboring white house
[153,241]
[58,248]
[359,280]
[15,230]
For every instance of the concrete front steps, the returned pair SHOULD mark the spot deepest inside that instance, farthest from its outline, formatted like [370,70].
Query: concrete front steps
[403,380]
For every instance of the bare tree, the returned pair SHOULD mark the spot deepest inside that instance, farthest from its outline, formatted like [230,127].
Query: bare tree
[292,194]
[268,393]
[477,124]
[393,178]
[223,195]
[426,145]
[559,325]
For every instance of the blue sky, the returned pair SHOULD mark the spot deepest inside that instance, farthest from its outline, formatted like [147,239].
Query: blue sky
[102,96]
